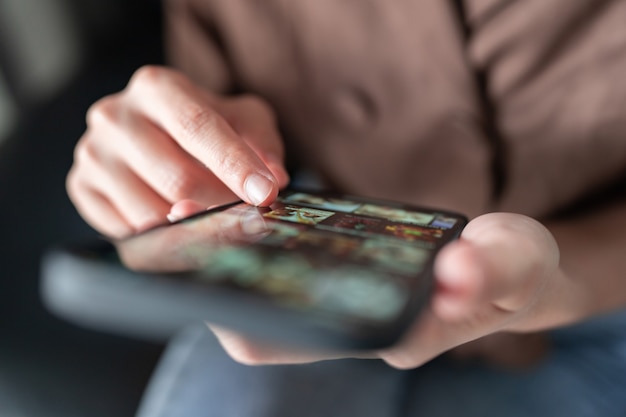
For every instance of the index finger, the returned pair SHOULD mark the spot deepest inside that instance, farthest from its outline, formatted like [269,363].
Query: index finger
[185,113]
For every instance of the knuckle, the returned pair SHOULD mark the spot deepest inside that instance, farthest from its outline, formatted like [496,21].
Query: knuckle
[84,152]
[72,185]
[153,77]
[78,180]
[148,76]
[103,111]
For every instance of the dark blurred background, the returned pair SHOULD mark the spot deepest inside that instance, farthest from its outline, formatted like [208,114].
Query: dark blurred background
[56,58]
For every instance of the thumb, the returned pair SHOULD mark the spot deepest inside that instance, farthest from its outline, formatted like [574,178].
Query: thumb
[501,259]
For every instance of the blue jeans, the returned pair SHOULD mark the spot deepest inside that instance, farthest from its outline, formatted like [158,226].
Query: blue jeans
[584,375]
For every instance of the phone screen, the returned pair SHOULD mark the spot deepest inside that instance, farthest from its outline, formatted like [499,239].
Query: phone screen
[337,257]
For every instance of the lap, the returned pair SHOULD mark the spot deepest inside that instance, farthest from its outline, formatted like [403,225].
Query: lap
[585,375]
[196,378]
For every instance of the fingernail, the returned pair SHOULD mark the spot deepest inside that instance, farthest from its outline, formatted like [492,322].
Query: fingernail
[257,188]
[172,218]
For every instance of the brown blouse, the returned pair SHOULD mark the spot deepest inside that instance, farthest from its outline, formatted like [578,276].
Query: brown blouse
[473,105]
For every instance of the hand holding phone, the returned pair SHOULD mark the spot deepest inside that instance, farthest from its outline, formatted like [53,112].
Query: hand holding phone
[501,278]
[314,270]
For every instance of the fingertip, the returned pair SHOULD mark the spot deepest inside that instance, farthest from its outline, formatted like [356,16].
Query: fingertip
[260,190]
[458,268]
[184,208]
[460,280]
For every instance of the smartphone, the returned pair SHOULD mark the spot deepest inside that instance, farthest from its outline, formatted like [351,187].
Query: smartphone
[319,270]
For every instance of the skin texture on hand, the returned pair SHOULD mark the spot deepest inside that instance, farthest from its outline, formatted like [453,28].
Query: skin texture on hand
[488,281]
[164,139]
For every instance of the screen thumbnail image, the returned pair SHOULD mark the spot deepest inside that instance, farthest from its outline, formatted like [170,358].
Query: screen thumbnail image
[341,246]
[413,233]
[393,256]
[302,215]
[348,223]
[444,222]
[328,203]
[395,214]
